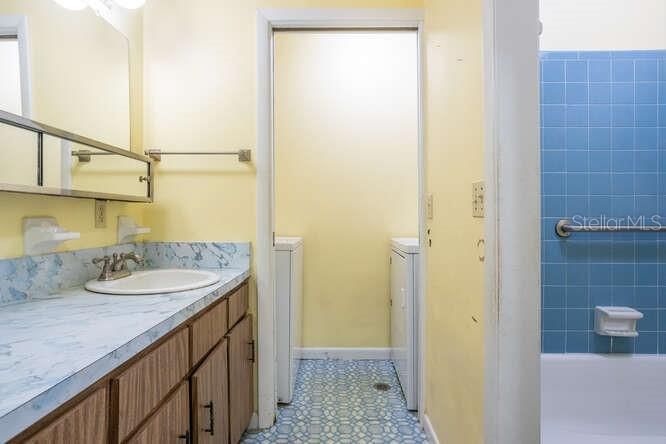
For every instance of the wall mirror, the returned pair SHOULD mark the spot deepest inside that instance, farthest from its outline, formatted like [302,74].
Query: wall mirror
[65,105]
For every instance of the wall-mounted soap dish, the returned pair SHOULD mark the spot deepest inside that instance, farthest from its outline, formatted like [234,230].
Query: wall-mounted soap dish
[43,235]
[128,229]
[616,321]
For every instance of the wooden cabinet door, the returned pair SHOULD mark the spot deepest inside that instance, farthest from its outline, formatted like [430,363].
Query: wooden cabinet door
[85,423]
[241,382]
[170,424]
[142,387]
[210,399]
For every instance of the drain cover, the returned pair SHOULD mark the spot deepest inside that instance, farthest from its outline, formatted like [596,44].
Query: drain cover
[382,387]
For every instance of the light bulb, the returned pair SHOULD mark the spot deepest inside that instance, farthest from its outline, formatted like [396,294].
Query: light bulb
[74,5]
[130,4]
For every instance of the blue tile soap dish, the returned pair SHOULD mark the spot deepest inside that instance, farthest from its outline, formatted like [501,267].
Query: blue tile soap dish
[616,321]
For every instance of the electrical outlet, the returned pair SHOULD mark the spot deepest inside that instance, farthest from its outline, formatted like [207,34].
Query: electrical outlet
[100,214]
[478,199]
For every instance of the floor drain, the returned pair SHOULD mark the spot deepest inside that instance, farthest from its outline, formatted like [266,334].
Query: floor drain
[382,387]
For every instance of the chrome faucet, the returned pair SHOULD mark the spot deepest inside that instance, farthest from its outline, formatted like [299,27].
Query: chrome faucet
[115,266]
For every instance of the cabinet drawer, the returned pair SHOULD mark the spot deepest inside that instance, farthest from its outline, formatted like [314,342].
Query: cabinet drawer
[170,424]
[140,388]
[238,304]
[207,330]
[85,423]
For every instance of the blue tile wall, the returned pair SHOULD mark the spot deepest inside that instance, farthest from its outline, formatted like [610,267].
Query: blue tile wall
[603,146]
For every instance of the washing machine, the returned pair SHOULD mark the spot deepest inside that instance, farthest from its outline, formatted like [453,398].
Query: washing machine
[289,300]
[404,309]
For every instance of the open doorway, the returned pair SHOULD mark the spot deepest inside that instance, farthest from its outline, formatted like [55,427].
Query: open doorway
[346,210]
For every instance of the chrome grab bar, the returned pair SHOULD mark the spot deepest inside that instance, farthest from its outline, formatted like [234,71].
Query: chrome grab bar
[565,227]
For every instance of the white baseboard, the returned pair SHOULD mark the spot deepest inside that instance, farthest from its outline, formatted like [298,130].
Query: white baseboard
[347,353]
[429,430]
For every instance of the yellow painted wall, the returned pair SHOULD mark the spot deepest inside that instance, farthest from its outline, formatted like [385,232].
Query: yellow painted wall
[346,147]
[200,94]
[77,214]
[454,157]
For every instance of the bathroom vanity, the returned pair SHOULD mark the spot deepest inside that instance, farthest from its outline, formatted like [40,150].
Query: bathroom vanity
[202,369]
[84,367]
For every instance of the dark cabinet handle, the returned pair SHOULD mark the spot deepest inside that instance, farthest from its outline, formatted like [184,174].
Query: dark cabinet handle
[252,350]
[211,415]
[187,437]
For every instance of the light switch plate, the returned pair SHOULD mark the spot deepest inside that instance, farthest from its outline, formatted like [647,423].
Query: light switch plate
[100,214]
[478,199]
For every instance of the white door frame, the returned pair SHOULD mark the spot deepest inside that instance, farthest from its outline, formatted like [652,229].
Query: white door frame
[267,21]
[513,262]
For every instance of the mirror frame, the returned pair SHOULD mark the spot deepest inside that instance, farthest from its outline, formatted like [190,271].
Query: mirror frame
[41,129]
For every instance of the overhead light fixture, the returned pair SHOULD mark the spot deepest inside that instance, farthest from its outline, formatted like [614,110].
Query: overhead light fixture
[73,5]
[130,4]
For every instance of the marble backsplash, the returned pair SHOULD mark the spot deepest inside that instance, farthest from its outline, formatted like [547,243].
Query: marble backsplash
[197,254]
[33,277]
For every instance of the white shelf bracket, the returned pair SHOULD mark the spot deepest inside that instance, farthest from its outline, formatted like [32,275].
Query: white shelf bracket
[42,235]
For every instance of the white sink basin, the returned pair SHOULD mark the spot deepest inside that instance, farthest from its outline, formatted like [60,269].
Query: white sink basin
[155,281]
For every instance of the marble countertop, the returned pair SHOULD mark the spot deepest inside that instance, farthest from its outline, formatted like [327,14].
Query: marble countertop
[52,349]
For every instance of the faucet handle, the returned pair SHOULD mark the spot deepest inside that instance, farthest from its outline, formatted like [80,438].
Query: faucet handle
[104,259]
[106,267]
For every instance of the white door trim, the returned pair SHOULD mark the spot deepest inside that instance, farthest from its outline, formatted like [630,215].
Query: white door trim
[18,25]
[267,21]
[512,164]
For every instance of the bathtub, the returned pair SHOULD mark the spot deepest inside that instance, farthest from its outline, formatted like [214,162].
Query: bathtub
[603,399]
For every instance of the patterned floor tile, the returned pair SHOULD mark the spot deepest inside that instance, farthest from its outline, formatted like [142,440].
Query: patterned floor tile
[335,402]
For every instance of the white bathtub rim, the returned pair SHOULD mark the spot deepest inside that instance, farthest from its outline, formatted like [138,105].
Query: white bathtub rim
[612,395]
